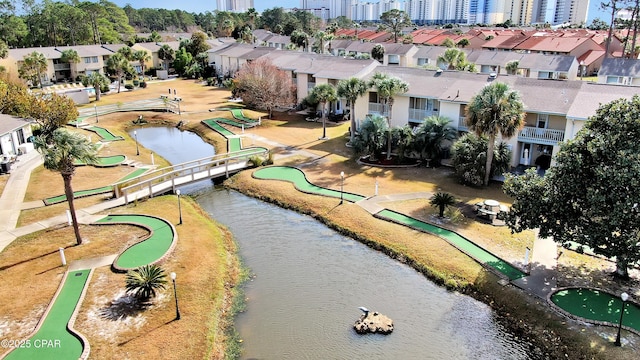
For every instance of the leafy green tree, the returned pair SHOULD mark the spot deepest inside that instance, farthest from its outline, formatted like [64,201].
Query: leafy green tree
[592,194]
[377,52]
[300,38]
[351,89]
[141,56]
[60,152]
[166,54]
[387,88]
[154,37]
[183,60]
[13,30]
[198,43]
[394,20]
[324,93]
[118,65]
[70,56]
[496,109]
[97,81]
[469,156]
[403,138]
[32,68]
[4,50]
[448,43]
[432,135]
[512,66]
[263,86]
[51,112]
[372,137]
[144,281]
[127,52]
[442,200]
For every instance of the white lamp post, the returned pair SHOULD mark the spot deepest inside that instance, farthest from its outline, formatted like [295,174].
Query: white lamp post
[135,135]
[95,108]
[341,187]
[624,297]
[175,295]
[179,207]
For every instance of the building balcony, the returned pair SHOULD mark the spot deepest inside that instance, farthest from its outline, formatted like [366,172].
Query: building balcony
[418,115]
[376,108]
[541,136]
[61,67]
[461,123]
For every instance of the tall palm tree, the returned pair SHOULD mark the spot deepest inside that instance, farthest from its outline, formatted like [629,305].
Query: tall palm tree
[431,136]
[97,81]
[145,280]
[118,65]
[442,200]
[166,54]
[387,88]
[496,109]
[70,56]
[324,93]
[60,152]
[33,66]
[142,57]
[351,89]
[371,137]
[403,137]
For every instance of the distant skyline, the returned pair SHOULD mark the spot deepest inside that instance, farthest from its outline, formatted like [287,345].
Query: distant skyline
[198,6]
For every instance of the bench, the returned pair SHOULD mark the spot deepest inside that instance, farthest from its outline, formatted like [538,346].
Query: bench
[490,214]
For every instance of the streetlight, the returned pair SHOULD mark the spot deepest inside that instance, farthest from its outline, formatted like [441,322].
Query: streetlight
[624,297]
[135,135]
[179,206]
[175,295]
[96,110]
[341,187]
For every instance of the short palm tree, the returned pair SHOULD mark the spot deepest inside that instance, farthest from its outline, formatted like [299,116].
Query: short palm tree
[144,281]
[167,55]
[371,137]
[387,88]
[142,57]
[351,89]
[496,109]
[118,65]
[431,136]
[70,56]
[60,152]
[97,81]
[324,93]
[403,137]
[442,200]
[453,58]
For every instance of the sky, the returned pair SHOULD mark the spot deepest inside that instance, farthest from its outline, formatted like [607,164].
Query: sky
[197,6]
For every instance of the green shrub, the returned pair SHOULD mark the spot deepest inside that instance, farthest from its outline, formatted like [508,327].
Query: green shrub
[143,84]
[256,160]
[128,86]
[136,82]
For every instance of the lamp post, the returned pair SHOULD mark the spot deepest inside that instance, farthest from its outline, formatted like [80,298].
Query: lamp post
[179,207]
[95,108]
[175,295]
[581,69]
[135,135]
[341,187]
[624,297]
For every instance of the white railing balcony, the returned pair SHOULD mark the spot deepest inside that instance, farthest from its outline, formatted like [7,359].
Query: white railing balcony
[541,136]
[60,67]
[311,85]
[462,126]
[418,115]
[375,108]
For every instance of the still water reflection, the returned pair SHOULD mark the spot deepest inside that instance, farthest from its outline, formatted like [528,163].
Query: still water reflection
[309,282]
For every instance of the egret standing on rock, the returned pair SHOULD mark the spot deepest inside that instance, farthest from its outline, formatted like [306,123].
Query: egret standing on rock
[364,310]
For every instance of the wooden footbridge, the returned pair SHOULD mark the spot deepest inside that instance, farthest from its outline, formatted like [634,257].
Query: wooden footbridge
[165,180]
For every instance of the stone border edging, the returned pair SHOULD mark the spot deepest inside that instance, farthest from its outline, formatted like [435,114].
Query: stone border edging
[159,260]
[589,321]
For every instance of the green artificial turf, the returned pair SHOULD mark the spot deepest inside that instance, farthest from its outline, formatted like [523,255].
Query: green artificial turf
[238,114]
[105,161]
[53,340]
[233,143]
[596,305]
[149,250]
[105,135]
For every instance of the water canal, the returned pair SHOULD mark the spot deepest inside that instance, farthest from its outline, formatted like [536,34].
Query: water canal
[309,282]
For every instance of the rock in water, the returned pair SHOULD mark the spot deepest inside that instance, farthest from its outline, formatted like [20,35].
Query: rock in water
[373,322]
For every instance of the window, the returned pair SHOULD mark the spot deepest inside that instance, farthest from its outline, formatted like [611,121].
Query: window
[373,97]
[87,60]
[543,120]
[423,61]
[421,104]
[615,80]
[394,59]
[20,134]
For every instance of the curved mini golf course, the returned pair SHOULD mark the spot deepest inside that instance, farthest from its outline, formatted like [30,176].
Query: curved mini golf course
[54,337]
[105,161]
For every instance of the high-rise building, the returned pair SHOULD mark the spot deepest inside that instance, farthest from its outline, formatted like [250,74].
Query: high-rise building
[235,5]
[557,12]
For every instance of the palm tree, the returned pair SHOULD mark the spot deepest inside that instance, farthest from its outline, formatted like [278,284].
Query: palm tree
[403,137]
[371,138]
[60,152]
[97,81]
[70,56]
[33,66]
[351,89]
[324,93]
[387,88]
[512,66]
[442,200]
[145,280]
[321,36]
[452,57]
[431,135]
[496,109]
[142,57]
[4,49]
[166,54]
[118,65]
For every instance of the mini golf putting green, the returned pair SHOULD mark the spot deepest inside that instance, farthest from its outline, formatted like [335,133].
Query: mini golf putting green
[592,304]
[105,135]
[238,114]
[91,192]
[233,144]
[53,340]
[105,161]
[298,178]
[148,251]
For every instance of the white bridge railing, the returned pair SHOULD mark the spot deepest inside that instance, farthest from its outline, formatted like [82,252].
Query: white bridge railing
[167,179]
